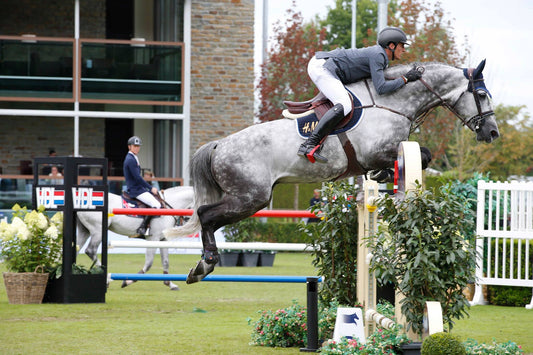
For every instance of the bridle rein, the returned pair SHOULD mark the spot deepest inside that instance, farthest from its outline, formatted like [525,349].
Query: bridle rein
[478,119]
[475,121]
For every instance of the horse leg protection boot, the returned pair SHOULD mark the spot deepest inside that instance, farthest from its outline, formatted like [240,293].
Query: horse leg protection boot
[328,122]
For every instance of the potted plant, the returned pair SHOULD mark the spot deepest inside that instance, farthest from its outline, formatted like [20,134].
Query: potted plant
[31,242]
[422,248]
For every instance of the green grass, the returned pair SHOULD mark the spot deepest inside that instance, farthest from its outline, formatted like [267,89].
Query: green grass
[500,323]
[147,318]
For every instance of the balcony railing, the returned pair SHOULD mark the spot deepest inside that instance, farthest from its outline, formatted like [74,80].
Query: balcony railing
[48,69]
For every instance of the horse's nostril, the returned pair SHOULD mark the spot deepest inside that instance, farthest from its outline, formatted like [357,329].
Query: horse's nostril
[494,134]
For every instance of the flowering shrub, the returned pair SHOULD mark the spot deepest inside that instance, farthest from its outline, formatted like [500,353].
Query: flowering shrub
[31,240]
[507,348]
[284,328]
[382,341]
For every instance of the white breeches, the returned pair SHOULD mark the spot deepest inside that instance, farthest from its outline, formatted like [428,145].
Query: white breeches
[149,199]
[328,84]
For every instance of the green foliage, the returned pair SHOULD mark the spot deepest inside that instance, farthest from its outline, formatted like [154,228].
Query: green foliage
[284,195]
[515,246]
[254,230]
[31,240]
[336,239]
[509,295]
[421,248]
[443,344]
[339,23]
[382,341]
[284,328]
[507,348]
[327,315]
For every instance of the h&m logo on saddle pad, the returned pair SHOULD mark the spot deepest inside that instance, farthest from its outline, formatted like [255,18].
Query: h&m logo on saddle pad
[306,124]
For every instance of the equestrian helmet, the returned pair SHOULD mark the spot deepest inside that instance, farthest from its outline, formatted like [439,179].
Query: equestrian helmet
[391,34]
[135,141]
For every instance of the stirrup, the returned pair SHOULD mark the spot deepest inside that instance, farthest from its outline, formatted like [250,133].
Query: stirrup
[312,155]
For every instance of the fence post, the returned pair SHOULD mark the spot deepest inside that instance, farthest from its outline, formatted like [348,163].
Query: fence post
[312,315]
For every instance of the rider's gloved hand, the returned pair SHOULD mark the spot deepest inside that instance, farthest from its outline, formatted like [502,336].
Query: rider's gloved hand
[412,75]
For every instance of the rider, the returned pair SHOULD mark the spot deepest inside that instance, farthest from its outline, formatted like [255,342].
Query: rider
[330,71]
[137,187]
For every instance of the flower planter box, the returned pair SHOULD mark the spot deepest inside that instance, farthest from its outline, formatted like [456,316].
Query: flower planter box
[228,258]
[412,348]
[249,259]
[266,259]
[86,288]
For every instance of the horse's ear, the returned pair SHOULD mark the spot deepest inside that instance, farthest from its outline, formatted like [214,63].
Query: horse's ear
[479,68]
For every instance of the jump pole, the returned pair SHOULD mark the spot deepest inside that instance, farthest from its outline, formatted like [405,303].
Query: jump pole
[409,170]
[189,212]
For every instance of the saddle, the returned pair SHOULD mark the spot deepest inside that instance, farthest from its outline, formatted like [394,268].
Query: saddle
[319,106]
[308,113]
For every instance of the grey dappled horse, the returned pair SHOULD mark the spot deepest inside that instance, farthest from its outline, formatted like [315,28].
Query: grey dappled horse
[234,176]
[90,225]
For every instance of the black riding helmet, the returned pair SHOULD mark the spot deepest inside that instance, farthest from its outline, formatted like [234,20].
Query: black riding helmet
[392,35]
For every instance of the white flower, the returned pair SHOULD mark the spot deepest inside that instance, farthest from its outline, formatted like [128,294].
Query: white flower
[21,229]
[52,232]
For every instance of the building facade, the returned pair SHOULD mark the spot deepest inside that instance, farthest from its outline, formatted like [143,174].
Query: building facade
[81,76]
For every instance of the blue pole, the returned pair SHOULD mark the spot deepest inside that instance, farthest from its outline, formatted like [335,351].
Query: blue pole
[219,278]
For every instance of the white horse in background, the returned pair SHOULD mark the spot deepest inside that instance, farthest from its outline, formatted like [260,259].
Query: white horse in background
[90,226]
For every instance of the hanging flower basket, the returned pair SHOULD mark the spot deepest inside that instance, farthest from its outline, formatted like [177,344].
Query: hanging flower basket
[25,287]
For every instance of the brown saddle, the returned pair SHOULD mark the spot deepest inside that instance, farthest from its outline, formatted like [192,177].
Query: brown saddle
[320,107]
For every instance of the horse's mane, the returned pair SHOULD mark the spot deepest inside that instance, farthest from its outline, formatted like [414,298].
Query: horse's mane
[400,69]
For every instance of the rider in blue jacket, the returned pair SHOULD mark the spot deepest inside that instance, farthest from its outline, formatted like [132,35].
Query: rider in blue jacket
[137,187]
[330,71]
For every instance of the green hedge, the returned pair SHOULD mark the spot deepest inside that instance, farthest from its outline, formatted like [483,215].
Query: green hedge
[273,231]
[515,257]
[510,295]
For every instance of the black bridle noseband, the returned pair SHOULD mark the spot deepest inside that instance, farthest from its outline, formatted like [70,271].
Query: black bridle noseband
[475,121]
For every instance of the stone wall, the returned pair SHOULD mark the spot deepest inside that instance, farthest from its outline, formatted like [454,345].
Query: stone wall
[222,75]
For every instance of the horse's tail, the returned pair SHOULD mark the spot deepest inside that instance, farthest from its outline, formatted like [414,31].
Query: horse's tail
[206,190]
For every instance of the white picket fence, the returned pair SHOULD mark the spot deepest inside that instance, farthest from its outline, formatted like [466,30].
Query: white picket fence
[505,231]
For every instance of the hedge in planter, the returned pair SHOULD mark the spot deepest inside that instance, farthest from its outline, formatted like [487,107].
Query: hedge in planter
[421,248]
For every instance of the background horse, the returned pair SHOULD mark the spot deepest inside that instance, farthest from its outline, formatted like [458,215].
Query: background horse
[234,176]
[90,225]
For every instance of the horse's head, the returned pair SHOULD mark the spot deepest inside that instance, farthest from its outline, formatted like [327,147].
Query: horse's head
[474,106]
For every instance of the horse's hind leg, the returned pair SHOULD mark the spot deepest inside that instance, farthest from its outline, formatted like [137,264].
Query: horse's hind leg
[212,217]
[164,262]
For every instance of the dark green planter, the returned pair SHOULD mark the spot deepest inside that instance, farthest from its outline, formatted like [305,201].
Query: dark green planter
[412,348]
[228,259]
[249,259]
[266,259]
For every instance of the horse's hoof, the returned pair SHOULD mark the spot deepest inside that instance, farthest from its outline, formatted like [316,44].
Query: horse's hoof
[200,271]
[171,285]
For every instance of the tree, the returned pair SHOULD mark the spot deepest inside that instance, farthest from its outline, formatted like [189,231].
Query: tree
[284,74]
[512,153]
[338,21]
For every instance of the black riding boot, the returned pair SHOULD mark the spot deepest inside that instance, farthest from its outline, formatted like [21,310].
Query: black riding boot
[141,231]
[327,123]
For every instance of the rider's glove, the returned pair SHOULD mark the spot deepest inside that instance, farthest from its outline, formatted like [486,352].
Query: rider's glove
[412,75]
